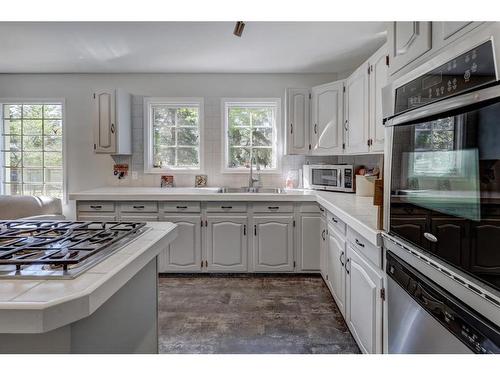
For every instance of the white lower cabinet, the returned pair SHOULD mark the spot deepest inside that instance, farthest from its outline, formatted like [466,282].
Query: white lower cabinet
[226,241]
[309,242]
[364,302]
[184,253]
[335,269]
[323,251]
[273,243]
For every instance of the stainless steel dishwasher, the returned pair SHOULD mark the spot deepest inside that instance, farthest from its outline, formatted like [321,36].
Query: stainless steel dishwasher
[424,318]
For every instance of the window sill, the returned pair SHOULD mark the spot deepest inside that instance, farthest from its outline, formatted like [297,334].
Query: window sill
[247,171]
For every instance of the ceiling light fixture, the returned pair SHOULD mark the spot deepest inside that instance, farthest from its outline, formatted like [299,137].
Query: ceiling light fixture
[238,28]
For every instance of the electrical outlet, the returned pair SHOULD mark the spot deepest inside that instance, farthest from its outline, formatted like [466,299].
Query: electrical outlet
[134,175]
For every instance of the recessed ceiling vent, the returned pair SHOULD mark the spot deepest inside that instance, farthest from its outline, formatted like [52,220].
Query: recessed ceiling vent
[238,28]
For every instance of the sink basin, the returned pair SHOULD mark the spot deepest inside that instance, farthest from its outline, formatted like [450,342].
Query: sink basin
[256,190]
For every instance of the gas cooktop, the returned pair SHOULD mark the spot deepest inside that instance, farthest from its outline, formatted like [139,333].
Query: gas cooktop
[59,249]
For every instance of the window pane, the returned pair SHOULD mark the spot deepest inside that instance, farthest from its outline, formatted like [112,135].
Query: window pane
[262,136]
[423,139]
[13,189]
[32,111]
[52,127]
[239,117]
[53,190]
[12,127]
[163,115]
[11,143]
[53,143]
[187,157]
[12,175]
[33,189]
[32,127]
[53,175]
[32,159]
[187,116]
[164,136]
[263,157]
[239,136]
[238,157]
[163,157]
[12,159]
[32,175]
[262,117]
[187,136]
[12,110]
[52,111]
[32,143]
[53,159]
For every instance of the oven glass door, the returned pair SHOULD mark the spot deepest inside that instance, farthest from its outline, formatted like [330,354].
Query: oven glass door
[325,177]
[445,188]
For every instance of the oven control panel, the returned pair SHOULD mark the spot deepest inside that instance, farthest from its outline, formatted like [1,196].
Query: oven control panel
[467,71]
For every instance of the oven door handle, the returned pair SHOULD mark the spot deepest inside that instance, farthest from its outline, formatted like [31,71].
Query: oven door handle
[445,105]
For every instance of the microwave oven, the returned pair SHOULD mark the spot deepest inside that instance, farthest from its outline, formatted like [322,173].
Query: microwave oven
[333,177]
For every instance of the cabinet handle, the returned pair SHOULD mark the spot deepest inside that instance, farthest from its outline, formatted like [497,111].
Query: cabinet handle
[206,263]
[273,207]
[226,207]
[346,125]
[255,230]
[291,128]
[96,207]
[322,209]
[348,270]
[181,207]
[323,235]
[359,243]
[201,264]
[244,230]
[335,220]
[138,207]
[315,128]
[340,258]
[113,128]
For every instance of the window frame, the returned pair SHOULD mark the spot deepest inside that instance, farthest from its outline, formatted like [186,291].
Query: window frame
[277,138]
[62,101]
[148,133]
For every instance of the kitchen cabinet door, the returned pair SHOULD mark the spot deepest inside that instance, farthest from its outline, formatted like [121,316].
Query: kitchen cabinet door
[445,32]
[327,119]
[364,302]
[226,240]
[297,130]
[336,270]
[309,242]
[323,265]
[104,121]
[407,41]
[378,79]
[184,252]
[357,111]
[273,243]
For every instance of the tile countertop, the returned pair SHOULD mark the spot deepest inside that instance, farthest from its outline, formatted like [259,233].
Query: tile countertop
[41,305]
[357,212]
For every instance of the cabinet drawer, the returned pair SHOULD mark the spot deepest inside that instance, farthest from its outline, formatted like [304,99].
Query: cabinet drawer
[139,218]
[226,207]
[338,224]
[139,207]
[310,208]
[96,206]
[273,207]
[99,218]
[365,247]
[181,206]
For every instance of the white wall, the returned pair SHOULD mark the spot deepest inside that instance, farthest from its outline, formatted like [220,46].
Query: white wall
[87,170]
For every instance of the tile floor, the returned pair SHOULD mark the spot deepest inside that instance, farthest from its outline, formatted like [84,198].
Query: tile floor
[250,314]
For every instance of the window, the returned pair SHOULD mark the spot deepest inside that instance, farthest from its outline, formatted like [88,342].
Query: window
[251,132]
[173,134]
[32,149]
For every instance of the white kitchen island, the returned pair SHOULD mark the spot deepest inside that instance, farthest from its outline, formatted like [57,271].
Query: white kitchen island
[110,308]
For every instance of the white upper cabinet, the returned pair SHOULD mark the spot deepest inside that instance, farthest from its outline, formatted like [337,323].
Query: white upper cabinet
[327,119]
[407,41]
[364,302]
[297,124]
[273,243]
[378,64]
[357,111]
[112,122]
[445,32]
[227,243]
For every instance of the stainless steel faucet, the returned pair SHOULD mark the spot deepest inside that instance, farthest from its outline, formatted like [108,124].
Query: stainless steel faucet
[251,179]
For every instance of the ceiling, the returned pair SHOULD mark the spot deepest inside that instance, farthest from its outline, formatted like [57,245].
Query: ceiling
[186,47]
